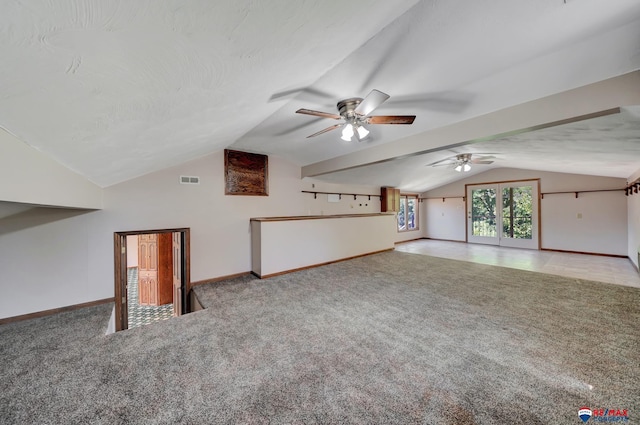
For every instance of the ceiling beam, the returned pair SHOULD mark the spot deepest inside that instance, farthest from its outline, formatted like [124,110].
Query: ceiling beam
[590,101]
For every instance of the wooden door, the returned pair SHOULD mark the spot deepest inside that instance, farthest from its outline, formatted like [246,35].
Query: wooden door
[177,279]
[155,269]
[147,269]
[121,299]
[181,281]
[165,269]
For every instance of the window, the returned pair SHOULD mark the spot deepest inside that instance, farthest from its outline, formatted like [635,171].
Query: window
[408,213]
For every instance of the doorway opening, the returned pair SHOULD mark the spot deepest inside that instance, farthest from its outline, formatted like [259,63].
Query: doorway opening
[504,213]
[152,276]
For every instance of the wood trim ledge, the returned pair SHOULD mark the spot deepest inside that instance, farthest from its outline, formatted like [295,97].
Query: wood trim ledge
[316,217]
[54,311]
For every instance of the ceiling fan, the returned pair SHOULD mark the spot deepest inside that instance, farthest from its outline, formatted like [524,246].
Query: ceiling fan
[354,113]
[462,162]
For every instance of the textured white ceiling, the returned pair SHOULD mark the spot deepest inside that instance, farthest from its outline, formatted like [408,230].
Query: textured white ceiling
[449,61]
[605,146]
[116,89]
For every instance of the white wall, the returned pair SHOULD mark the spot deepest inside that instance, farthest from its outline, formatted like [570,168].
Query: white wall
[348,205]
[602,228]
[37,179]
[633,214]
[132,251]
[62,257]
[44,254]
[443,218]
[293,244]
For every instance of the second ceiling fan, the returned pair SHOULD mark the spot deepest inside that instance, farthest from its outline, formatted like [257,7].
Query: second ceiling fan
[354,113]
[462,161]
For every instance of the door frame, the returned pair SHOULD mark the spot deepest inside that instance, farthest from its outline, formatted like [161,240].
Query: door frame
[484,240]
[515,242]
[466,205]
[120,271]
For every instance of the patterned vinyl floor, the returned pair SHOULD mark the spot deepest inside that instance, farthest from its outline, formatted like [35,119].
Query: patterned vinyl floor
[140,315]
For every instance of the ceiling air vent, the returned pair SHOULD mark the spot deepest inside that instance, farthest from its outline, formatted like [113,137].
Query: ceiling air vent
[189,180]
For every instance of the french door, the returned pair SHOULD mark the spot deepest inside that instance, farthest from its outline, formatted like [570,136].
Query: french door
[504,214]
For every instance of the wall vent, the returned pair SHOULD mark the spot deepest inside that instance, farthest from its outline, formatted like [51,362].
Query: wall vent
[189,180]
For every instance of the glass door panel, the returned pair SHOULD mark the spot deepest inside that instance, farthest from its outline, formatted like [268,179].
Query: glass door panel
[514,223]
[516,212]
[519,215]
[482,216]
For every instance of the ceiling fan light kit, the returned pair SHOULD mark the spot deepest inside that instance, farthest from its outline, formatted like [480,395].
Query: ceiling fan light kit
[462,162]
[355,113]
[347,133]
[463,168]
[362,132]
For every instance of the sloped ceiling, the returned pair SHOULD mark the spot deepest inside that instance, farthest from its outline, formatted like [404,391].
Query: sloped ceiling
[117,89]
[604,146]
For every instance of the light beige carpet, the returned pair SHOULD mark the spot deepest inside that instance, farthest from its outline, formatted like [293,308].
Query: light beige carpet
[389,338]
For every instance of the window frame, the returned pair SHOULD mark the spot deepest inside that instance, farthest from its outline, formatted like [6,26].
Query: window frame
[404,199]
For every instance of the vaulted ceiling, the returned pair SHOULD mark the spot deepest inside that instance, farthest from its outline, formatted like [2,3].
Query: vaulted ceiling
[116,89]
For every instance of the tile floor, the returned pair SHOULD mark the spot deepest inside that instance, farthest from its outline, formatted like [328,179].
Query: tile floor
[140,315]
[591,267]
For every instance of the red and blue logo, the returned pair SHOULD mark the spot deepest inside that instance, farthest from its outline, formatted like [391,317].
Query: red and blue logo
[603,415]
[585,414]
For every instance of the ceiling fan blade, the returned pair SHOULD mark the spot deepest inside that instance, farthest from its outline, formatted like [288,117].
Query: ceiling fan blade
[446,161]
[318,114]
[333,127]
[473,161]
[300,126]
[374,99]
[391,119]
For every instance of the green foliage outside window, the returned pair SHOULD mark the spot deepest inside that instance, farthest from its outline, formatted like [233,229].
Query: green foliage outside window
[517,204]
[408,214]
[483,211]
